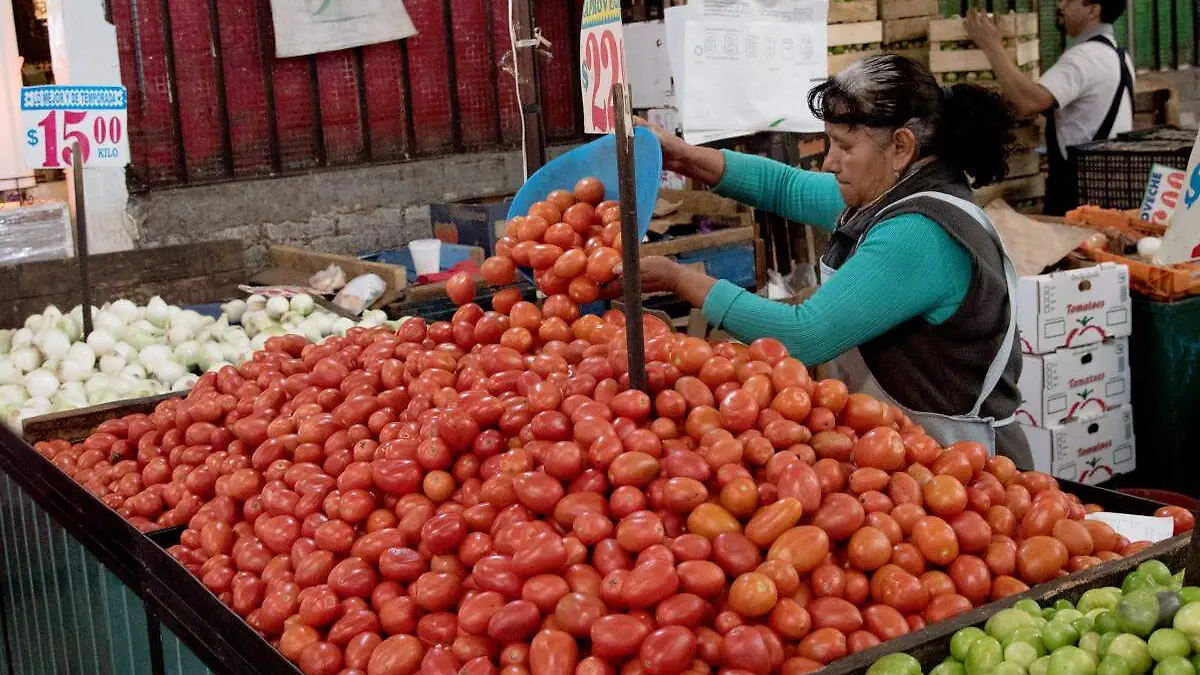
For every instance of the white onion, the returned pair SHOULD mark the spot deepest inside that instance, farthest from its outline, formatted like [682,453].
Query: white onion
[169,371]
[133,372]
[12,395]
[102,340]
[256,303]
[126,310]
[22,338]
[52,342]
[26,359]
[112,364]
[234,309]
[83,354]
[185,382]
[41,383]
[303,304]
[178,335]
[276,306]
[73,371]
[109,322]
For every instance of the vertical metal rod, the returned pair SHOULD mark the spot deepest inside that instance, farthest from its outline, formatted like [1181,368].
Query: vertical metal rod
[456,127]
[214,27]
[266,57]
[630,239]
[81,242]
[314,90]
[364,117]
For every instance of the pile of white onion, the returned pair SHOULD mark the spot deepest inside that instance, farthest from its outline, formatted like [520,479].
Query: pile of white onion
[135,351]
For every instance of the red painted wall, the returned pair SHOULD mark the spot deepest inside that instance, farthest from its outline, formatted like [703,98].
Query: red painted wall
[210,102]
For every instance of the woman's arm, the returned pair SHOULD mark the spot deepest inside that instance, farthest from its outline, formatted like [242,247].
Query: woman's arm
[906,267]
[803,196]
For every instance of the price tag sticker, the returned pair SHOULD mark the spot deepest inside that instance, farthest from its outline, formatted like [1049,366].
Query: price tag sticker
[54,118]
[601,63]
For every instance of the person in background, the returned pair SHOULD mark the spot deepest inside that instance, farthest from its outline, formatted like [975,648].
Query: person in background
[1086,95]
[916,304]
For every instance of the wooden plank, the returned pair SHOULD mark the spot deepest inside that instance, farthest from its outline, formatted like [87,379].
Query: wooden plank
[696,242]
[76,425]
[1028,136]
[957,60]
[918,54]
[900,9]
[1028,51]
[1013,190]
[851,11]
[901,30]
[861,33]
[301,260]
[955,30]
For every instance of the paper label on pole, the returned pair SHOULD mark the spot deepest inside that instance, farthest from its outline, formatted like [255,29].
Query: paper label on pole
[1136,528]
[1182,241]
[601,63]
[53,118]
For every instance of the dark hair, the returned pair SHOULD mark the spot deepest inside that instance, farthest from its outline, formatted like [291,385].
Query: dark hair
[966,125]
[1110,10]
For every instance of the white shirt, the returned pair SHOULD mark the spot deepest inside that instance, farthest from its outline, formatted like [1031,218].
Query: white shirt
[1083,81]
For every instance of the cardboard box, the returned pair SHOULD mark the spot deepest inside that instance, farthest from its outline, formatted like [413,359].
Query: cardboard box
[1073,307]
[1090,450]
[472,224]
[1075,382]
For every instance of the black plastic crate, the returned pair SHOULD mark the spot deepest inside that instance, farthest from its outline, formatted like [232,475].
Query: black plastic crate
[1159,134]
[1113,173]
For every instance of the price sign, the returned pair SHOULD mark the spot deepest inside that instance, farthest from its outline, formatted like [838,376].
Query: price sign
[601,63]
[1182,241]
[56,117]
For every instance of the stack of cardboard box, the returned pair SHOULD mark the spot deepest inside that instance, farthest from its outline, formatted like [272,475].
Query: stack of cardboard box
[1075,385]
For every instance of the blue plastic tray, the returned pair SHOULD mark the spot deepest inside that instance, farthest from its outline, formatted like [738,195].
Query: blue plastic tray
[599,159]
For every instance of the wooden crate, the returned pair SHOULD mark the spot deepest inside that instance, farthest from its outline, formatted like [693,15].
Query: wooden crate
[1023,163]
[912,29]
[943,60]
[1011,25]
[1028,135]
[917,54]
[184,274]
[901,9]
[867,35]
[291,260]
[852,11]
[1013,190]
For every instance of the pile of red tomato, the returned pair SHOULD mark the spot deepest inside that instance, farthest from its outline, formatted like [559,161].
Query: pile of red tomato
[571,241]
[457,497]
[487,495]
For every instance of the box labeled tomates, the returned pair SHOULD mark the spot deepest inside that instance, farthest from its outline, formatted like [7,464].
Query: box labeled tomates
[1086,450]
[1073,382]
[1073,307]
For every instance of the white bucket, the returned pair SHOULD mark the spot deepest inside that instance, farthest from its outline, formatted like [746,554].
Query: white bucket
[426,255]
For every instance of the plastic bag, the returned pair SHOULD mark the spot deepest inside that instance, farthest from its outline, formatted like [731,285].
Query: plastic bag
[360,293]
[329,279]
[1162,194]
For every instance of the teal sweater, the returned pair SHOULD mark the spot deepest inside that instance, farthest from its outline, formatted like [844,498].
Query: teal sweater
[905,267]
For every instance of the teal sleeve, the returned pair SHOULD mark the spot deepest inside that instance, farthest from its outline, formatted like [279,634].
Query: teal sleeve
[802,196]
[906,267]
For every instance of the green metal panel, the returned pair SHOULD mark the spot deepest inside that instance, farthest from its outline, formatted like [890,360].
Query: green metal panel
[1049,38]
[950,7]
[65,613]
[1144,51]
[178,659]
[1185,32]
[1121,28]
[1165,33]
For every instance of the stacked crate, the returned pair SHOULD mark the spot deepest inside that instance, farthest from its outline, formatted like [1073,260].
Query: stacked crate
[906,27]
[855,32]
[954,59]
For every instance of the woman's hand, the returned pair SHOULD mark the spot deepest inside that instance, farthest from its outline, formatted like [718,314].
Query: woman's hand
[663,275]
[698,163]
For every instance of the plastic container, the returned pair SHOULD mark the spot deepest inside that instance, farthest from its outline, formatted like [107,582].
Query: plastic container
[1114,173]
[599,159]
[426,255]
[1164,362]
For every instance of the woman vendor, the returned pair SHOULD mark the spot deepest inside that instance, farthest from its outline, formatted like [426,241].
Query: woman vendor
[916,301]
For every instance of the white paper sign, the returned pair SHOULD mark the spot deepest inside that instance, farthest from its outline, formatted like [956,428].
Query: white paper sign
[601,63]
[743,66]
[314,26]
[54,118]
[1182,241]
[1136,528]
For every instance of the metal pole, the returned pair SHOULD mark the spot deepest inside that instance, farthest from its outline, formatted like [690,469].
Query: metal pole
[81,245]
[630,238]
[1130,35]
